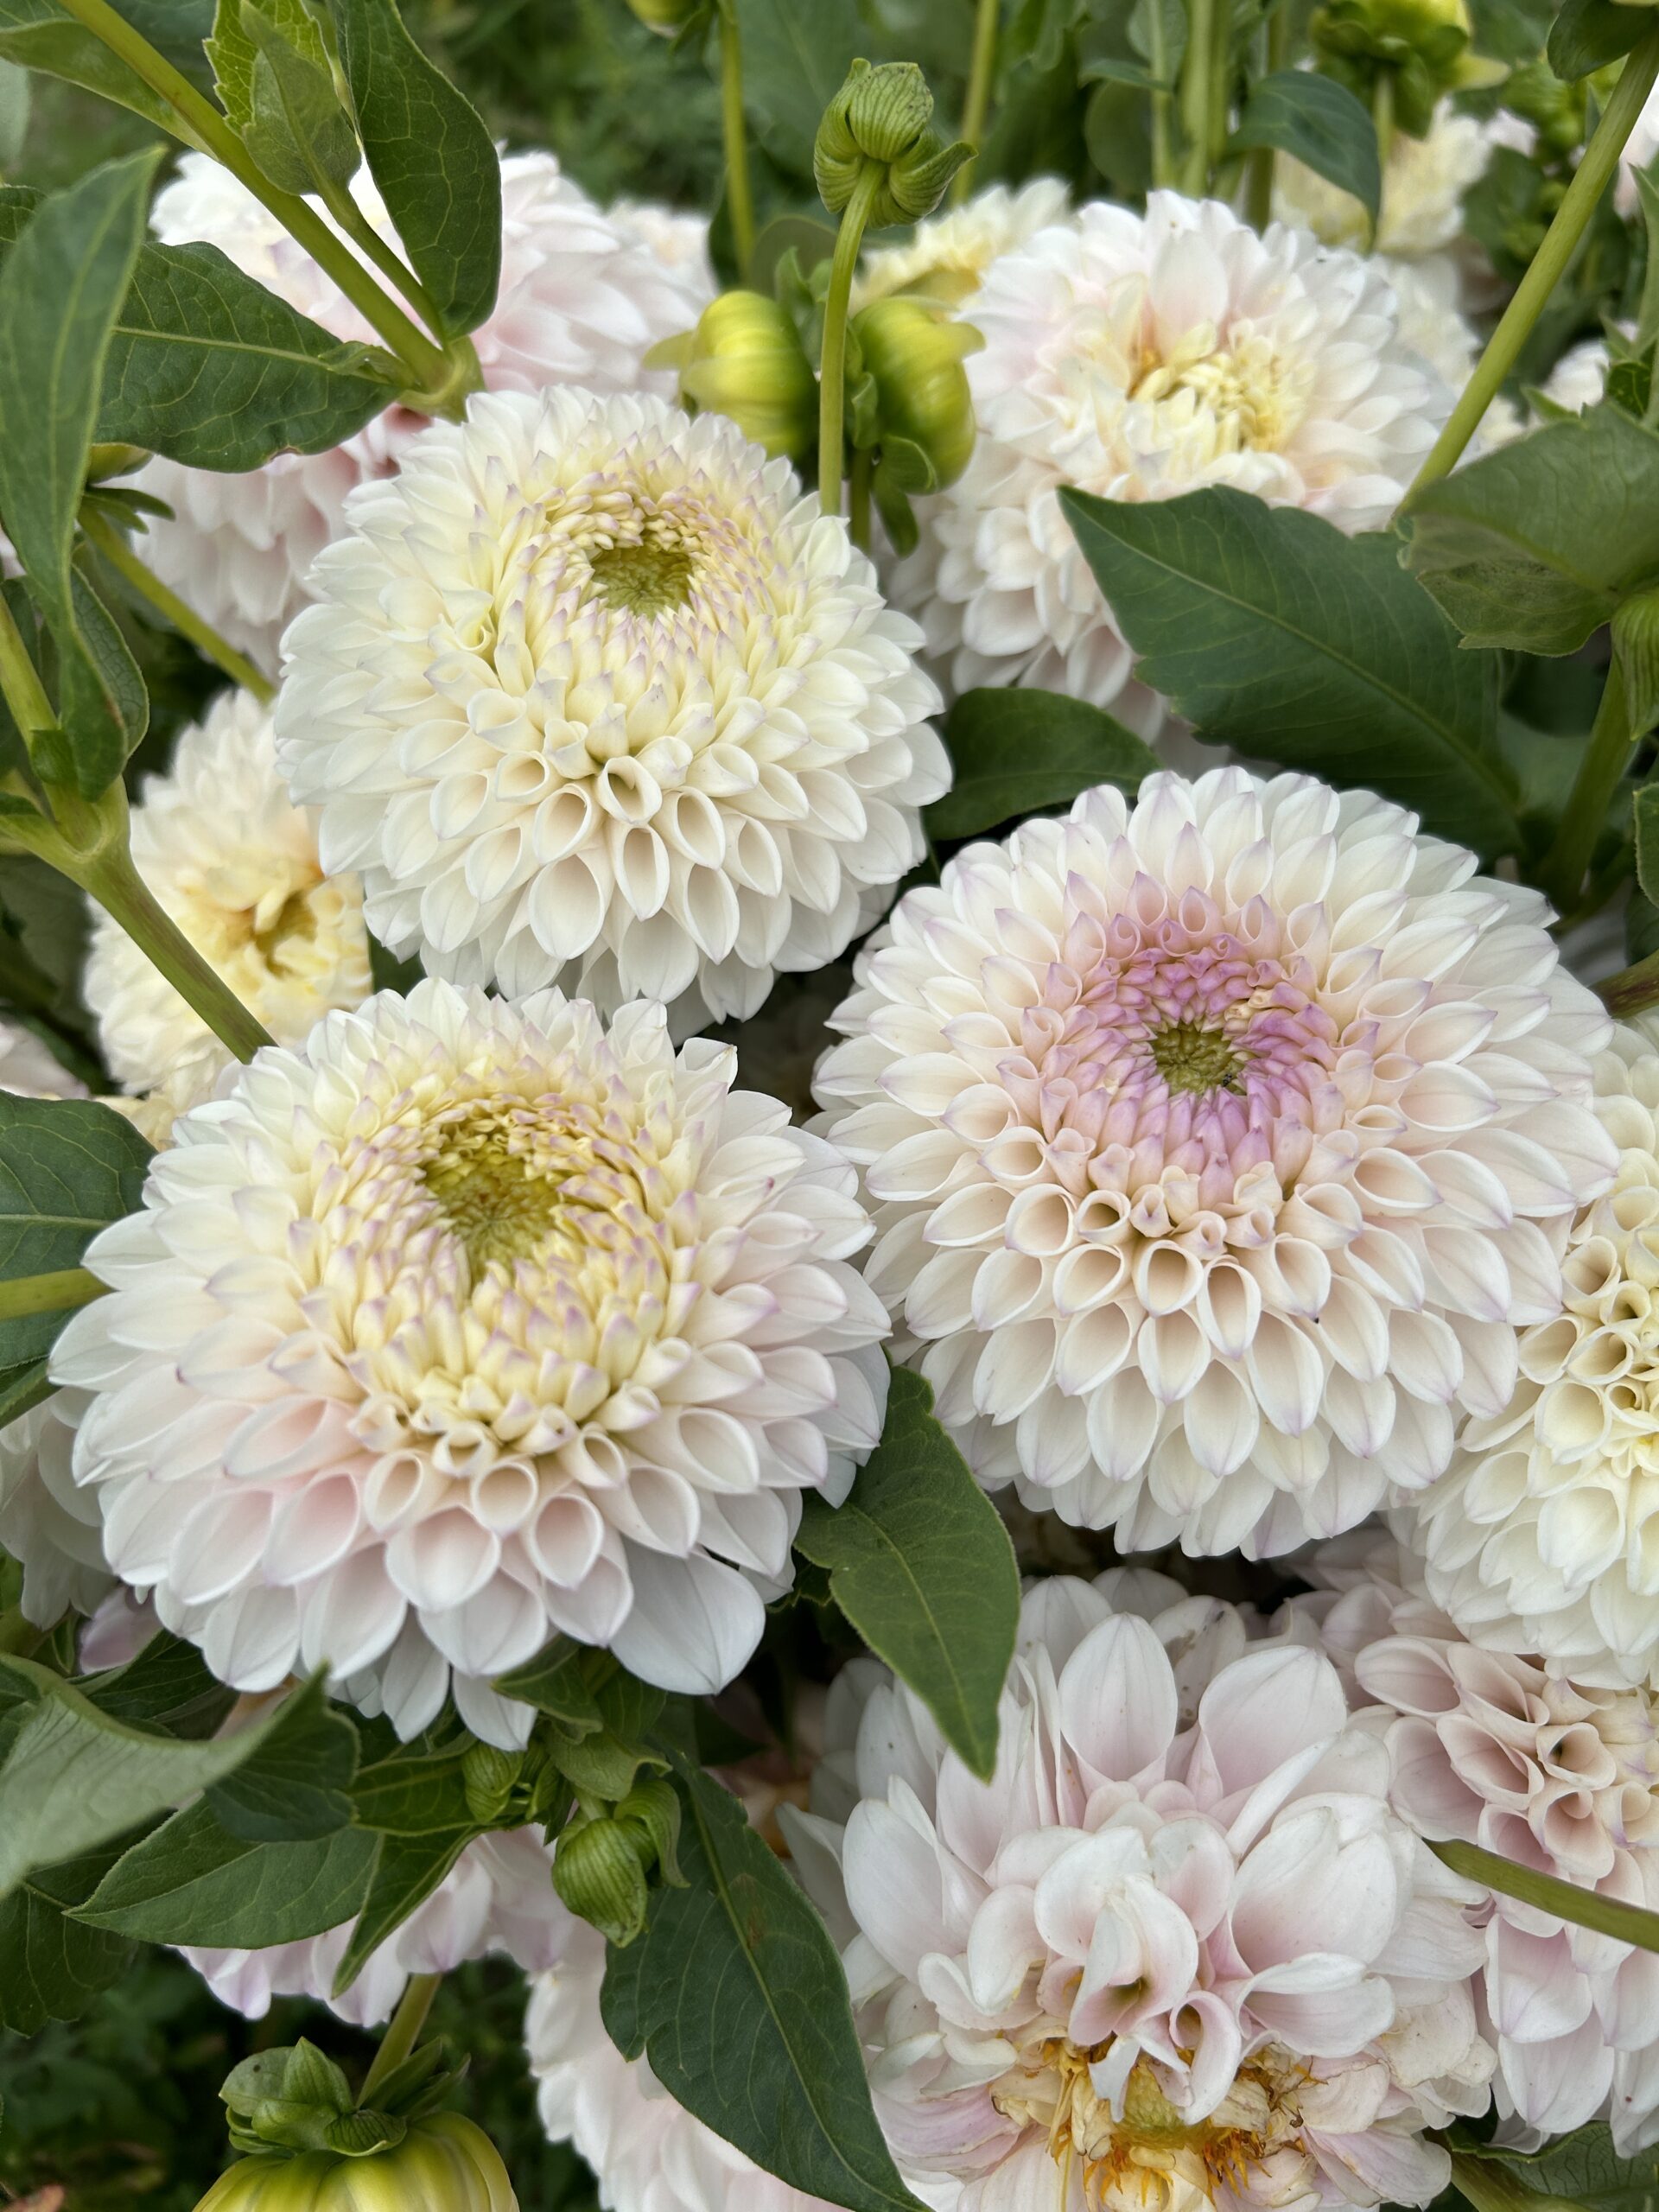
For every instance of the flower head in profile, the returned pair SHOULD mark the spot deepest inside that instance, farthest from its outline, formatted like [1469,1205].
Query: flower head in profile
[1220,1144]
[1148,1965]
[596,696]
[49,1525]
[463,1324]
[1138,357]
[235,865]
[583,297]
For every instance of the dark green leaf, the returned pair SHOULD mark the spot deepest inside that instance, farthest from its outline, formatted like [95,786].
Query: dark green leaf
[1587,34]
[432,158]
[562,1680]
[18,203]
[272,70]
[1580,2169]
[68,1167]
[1270,630]
[167,1686]
[190,1882]
[1014,751]
[795,58]
[1530,547]
[51,1967]
[412,1794]
[295,1786]
[921,1565]
[735,1994]
[21,1388]
[389,973]
[405,1870]
[1321,122]
[41,34]
[14,113]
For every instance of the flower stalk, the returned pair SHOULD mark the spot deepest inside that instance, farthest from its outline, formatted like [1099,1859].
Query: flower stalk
[56,1293]
[100,532]
[981,69]
[832,369]
[1626,1924]
[1197,89]
[1261,170]
[1606,756]
[739,190]
[403,2032]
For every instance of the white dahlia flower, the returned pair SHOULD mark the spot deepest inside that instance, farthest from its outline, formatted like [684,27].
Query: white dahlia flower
[49,1526]
[1579,380]
[1543,1536]
[596,696]
[235,865]
[1219,1144]
[1423,183]
[1139,356]
[583,298]
[1426,294]
[948,257]
[1490,1750]
[1149,1966]
[30,1069]
[1639,150]
[463,1324]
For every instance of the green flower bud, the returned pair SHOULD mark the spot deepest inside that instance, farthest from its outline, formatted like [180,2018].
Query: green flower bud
[881,115]
[1424,44]
[599,1870]
[915,354]
[667,18]
[745,359]
[104,461]
[1555,110]
[445,2163]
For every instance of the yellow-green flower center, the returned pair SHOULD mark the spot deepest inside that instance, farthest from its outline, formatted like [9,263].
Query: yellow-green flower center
[647,578]
[1189,1057]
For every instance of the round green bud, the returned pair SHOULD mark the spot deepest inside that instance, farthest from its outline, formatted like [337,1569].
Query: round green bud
[444,2163]
[881,117]
[599,1871]
[744,358]
[915,354]
[104,461]
[666,16]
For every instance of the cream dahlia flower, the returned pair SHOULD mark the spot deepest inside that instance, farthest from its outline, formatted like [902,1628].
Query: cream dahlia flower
[583,298]
[1219,1144]
[948,257]
[466,1323]
[1490,1750]
[30,1069]
[1579,380]
[1423,183]
[497,1898]
[1149,1966]
[235,864]
[1139,356]
[1543,1536]
[52,1528]
[596,696]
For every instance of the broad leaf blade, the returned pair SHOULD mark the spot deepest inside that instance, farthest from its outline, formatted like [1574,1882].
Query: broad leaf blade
[1587,34]
[41,34]
[1319,121]
[68,1167]
[735,1994]
[168,1686]
[1013,750]
[1647,841]
[190,1881]
[404,1872]
[52,1968]
[293,1788]
[1270,630]
[1582,2167]
[921,1565]
[795,60]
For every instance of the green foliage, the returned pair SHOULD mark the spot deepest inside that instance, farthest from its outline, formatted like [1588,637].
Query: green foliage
[795,60]
[1646,809]
[68,1167]
[274,77]
[1014,751]
[294,1787]
[40,34]
[1587,34]
[1321,123]
[191,1881]
[1580,2169]
[52,1968]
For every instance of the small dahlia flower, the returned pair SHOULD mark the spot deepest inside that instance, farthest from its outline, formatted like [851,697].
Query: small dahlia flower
[1423,183]
[1492,1749]
[235,864]
[596,696]
[1219,1143]
[947,258]
[465,1323]
[497,1898]
[1543,1535]
[52,1528]
[584,296]
[1149,1966]
[1138,357]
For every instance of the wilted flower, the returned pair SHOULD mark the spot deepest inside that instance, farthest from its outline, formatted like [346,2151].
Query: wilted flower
[1423,183]
[1147,1965]
[596,696]
[235,865]
[1219,1144]
[583,298]
[948,257]
[1138,357]
[464,1324]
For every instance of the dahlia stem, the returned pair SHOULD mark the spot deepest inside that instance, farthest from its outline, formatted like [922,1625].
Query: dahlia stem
[1259,191]
[977,105]
[832,367]
[1164,172]
[99,531]
[401,2032]
[858,500]
[1382,115]
[1626,1924]
[1606,754]
[20,683]
[740,192]
[1197,87]
[433,371]
[1632,990]
[50,1293]
[1220,54]
[1561,242]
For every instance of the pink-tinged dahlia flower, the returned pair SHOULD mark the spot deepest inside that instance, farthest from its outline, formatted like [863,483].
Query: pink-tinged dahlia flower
[1220,1144]
[1148,1965]
[49,1526]
[466,1323]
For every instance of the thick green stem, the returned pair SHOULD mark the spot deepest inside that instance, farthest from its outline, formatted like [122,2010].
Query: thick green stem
[351,219]
[115,882]
[1632,990]
[858,498]
[1382,115]
[981,69]
[1606,754]
[739,193]
[1221,35]
[1198,76]
[1259,190]
[20,683]
[402,2031]
[832,367]
[102,533]
[1627,1923]
[52,1293]
[430,368]
[1561,242]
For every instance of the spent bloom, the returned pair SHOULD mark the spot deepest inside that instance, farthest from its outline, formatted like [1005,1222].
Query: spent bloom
[1148,1964]
[1138,357]
[465,1323]
[595,696]
[584,296]
[1219,1143]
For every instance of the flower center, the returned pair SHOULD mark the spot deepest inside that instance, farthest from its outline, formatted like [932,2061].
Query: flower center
[647,578]
[527,1182]
[1254,400]
[1190,1056]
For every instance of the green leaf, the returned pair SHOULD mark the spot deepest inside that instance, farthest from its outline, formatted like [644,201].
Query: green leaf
[562,1680]
[1532,546]
[295,1786]
[405,1870]
[61,285]
[18,203]
[41,34]
[51,1967]
[190,1881]
[1647,315]
[1582,2167]
[795,60]
[168,1687]
[68,1167]
[735,1994]
[299,133]
[1270,630]
[1014,751]
[412,1794]
[14,113]
[1321,122]
[389,973]
[21,1388]
[921,1565]
[432,158]
[1587,34]
[211,369]
[1626,1924]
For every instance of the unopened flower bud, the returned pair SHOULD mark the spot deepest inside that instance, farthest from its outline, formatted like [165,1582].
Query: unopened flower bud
[915,354]
[880,115]
[444,2163]
[1636,646]
[1424,44]
[666,17]
[103,461]
[744,360]
[599,1870]
[490,1777]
